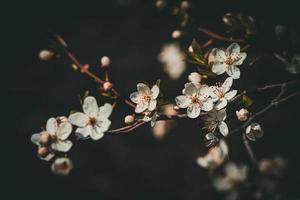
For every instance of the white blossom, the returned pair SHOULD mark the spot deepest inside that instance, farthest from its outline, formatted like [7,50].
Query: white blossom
[93,121]
[254,131]
[62,166]
[173,59]
[145,98]
[195,99]
[56,135]
[215,156]
[105,62]
[222,94]
[227,61]
[195,78]
[216,118]
[242,114]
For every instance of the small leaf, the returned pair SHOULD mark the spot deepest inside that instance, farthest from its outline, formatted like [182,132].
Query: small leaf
[246,101]
[86,93]
[196,47]
[105,94]
[158,82]
[75,67]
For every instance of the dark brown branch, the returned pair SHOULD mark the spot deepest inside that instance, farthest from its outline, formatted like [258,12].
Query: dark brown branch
[219,37]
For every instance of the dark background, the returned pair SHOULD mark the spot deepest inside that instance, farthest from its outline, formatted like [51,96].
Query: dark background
[133,166]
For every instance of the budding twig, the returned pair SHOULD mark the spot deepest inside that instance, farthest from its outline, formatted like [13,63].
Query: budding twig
[219,37]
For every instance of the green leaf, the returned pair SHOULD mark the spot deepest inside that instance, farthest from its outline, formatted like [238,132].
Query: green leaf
[86,94]
[246,101]
[196,47]
[158,82]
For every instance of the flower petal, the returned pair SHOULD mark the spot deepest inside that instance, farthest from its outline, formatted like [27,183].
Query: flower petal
[229,95]
[193,111]
[35,139]
[51,126]
[207,105]
[62,145]
[221,103]
[143,88]
[105,111]
[221,115]
[83,132]
[140,107]
[190,89]
[227,84]
[240,59]
[64,130]
[223,128]
[135,97]
[155,91]
[233,50]
[152,105]
[219,55]
[104,125]
[233,71]
[48,157]
[219,68]
[182,101]
[96,133]
[205,91]
[90,106]
[79,119]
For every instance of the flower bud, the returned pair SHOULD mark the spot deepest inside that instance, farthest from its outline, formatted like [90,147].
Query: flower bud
[107,86]
[195,77]
[242,114]
[176,34]
[185,5]
[46,55]
[160,3]
[254,131]
[190,49]
[43,152]
[105,62]
[129,119]
[62,166]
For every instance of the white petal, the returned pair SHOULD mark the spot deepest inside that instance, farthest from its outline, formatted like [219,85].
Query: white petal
[64,130]
[135,97]
[215,93]
[152,105]
[193,111]
[227,84]
[155,91]
[35,139]
[83,132]
[190,89]
[223,128]
[62,145]
[205,91]
[219,55]
[219,68]
[233,50]
[51,126]
[48,157]
[90,106]
[182,101]
[96,133]
[240,59]
[104,125]
[79,119]
[143,88]
[105,111]
[233,71]
[221,115]
[229,95]
[153,119]
[207,105]
[140,107]
[221,103]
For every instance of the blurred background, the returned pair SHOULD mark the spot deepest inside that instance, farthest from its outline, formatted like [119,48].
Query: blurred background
[134,165]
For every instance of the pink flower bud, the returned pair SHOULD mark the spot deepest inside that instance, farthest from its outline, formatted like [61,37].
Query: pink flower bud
[107,86]
[105,62]
[242,114]
[43,152]
[176,34]
[46,55]
[129,119]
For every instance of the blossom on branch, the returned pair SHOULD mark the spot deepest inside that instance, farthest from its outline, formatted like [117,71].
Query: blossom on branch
[227,61]
[93,121]
[216,118]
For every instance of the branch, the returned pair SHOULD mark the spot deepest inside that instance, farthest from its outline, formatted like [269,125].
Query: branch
[219,37]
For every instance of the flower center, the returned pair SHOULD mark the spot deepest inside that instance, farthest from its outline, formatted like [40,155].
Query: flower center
[147,98]
[229,60]
[93,121]
[195,99]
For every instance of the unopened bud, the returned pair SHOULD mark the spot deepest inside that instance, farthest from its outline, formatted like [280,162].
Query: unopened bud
[176,108]
[107,86]
[129,119]
[195,77]
[190,49]
[160,3]
[185,5]
[242,114]
[176,34]
[46,55]
[43,152]
[105,62]
[62,166]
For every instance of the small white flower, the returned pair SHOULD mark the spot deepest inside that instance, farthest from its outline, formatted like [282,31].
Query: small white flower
[215,156]
[228,60]
[105,62]
[172,58]
[254,131]
[216,118]
[93,121]
[221,94]
[62,166]
[145,98]
[195,99]
[242,114]
[195,78]
[56,135]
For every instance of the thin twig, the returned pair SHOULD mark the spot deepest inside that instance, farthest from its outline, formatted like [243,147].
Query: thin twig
[219,37]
